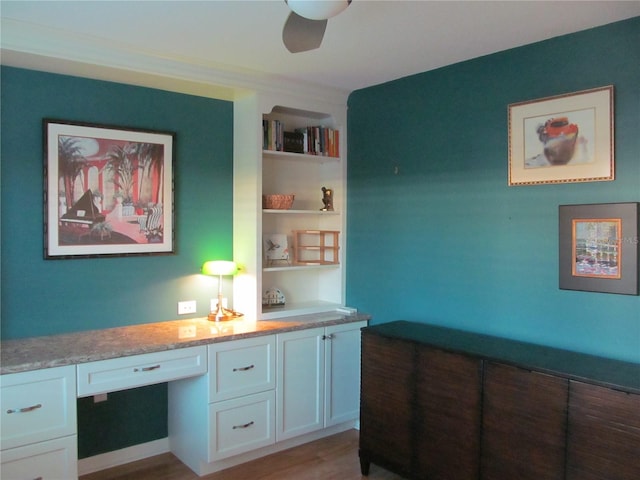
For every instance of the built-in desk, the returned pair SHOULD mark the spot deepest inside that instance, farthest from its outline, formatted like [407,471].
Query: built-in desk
[43,376]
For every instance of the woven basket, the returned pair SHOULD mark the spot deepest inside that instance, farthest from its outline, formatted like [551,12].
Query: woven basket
[277,202]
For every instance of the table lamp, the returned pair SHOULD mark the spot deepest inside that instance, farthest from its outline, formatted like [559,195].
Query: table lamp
[220,268]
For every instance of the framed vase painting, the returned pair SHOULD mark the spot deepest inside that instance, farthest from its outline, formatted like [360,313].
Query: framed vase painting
[562,139]
[108,191]
[599,247]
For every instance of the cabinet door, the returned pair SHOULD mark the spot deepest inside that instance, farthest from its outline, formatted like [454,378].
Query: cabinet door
[524,424]
[300,391]
[449,395]
[342,370]
[604,434]
[386,400]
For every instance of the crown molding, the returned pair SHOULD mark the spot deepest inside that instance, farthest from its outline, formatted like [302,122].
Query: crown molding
[25,45]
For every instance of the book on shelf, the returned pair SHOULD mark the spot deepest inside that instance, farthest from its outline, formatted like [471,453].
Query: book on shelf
[293,142]
[272,135]
[311,140]
[321,140]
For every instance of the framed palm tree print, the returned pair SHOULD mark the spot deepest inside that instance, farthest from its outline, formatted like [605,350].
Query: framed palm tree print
[108,190]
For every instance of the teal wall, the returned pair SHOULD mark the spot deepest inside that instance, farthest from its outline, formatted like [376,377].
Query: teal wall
[42,297]
[446,241]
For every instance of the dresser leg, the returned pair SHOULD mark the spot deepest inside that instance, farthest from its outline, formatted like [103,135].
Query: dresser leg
[364,464]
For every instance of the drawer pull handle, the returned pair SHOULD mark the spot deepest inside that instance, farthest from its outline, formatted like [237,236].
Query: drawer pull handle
[246,425]
[244,369]
[25,409]
[146,369]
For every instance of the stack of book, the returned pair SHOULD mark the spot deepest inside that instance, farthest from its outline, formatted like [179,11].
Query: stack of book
[312,140]
[319,140]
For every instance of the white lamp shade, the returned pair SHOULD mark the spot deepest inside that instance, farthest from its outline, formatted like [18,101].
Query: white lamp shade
[318,9]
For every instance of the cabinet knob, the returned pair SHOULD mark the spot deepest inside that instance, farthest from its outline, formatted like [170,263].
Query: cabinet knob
[328,337]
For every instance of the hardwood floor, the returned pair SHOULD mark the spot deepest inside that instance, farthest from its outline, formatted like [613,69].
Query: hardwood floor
[330,458]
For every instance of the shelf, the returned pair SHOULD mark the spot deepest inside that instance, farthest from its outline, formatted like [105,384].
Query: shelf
[285,268]
[312,288]
[300,212]
[299,156]
[303,308]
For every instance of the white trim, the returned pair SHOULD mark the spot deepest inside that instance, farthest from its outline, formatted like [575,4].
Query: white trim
[25,45]
[120,457]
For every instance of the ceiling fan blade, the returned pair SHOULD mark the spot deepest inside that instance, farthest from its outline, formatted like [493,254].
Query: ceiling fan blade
[301,34]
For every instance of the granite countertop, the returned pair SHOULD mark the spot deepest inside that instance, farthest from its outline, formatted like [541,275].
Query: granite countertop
[35,353]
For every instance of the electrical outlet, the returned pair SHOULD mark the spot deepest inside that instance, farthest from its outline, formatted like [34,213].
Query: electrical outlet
[187,331]
[184,308]
[214,303]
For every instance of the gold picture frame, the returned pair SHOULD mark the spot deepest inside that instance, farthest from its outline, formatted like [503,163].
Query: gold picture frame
[562,139]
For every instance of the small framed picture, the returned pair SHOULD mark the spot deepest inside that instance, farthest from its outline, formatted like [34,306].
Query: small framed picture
[276,249]
[599,247]
[562,139]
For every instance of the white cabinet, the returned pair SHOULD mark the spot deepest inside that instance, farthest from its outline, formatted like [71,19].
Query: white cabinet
[243,373]
[265,394]
[39,424]
[307,288]
[318,378]
[228,412]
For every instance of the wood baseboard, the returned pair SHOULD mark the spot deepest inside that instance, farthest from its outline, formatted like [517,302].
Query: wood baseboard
[122,456]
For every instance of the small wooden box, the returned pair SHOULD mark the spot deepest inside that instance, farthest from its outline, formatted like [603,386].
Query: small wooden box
[316,247]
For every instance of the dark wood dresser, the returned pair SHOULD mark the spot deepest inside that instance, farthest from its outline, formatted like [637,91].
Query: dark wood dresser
[444,404]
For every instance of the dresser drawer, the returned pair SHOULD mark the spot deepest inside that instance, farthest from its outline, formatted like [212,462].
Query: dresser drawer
[139,370]
[37,406]
[50,460]
[241,424]
[242,367]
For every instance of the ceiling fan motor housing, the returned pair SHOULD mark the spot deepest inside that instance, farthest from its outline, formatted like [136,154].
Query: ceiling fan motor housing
[318,9]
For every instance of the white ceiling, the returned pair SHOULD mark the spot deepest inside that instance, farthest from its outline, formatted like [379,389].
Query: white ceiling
[369,43]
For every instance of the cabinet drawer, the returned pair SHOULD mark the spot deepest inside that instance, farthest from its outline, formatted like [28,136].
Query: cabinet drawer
[242,367]
[50,460]
[241,424]
[38,405]
[139,370]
